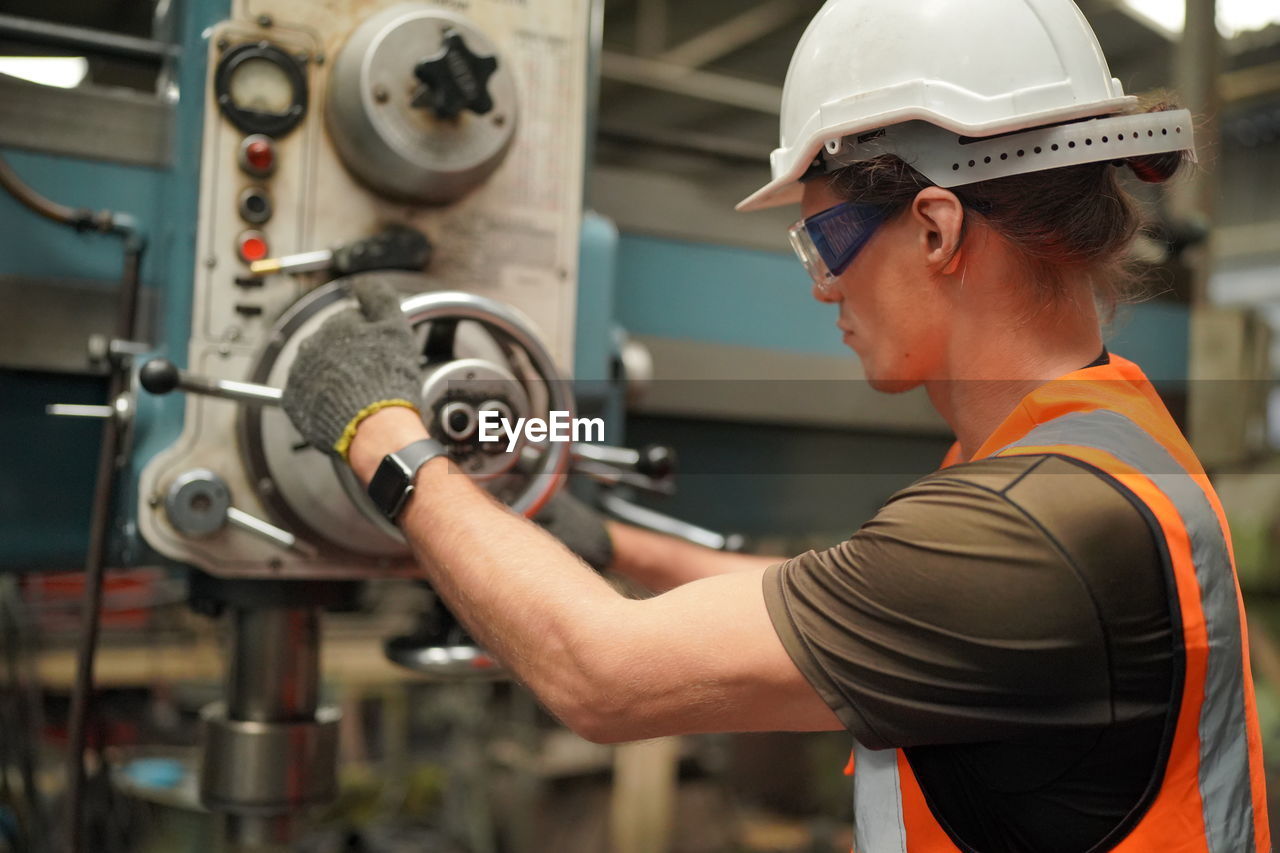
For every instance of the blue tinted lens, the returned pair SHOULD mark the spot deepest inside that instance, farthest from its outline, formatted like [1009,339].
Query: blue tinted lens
[840,232]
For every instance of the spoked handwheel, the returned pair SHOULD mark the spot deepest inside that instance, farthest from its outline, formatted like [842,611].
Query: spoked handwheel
[481,362]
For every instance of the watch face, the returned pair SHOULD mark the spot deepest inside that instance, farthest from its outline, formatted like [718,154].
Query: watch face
[392,483]
[389,486]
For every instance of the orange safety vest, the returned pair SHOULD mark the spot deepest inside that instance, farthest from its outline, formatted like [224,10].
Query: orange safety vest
[1210,796]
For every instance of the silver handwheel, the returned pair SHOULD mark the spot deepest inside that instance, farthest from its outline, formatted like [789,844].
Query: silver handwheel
[477,353]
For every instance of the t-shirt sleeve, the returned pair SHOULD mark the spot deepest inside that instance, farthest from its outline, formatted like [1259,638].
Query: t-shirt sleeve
[951,617]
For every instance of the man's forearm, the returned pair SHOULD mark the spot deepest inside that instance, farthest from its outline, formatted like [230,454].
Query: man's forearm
[659,562]
[524,596]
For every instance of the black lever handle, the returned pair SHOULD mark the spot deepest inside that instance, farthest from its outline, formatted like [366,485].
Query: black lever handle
[161,376]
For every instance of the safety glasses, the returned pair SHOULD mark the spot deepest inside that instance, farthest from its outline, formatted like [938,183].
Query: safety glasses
[827,242]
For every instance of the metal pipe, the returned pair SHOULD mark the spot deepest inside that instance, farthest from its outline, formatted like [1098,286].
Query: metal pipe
[274,670]
[79,218]
[79,410]
[650,519]
[24,718]
[229,389]
[617,457]
[124,226]
[37,203]
[258,527]
[83,38]
[95,559]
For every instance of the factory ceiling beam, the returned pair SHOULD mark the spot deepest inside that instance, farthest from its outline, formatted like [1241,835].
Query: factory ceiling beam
[651,27]
[734,34]
[720,147]
[83,38]
[691,82]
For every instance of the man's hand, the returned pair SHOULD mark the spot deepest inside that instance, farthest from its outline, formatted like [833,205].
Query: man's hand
[356,364]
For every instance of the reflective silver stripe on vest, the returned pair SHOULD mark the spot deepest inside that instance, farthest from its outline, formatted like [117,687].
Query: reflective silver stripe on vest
[1224,748]
[877,802]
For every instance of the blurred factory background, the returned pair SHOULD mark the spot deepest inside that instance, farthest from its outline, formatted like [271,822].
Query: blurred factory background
[222,132]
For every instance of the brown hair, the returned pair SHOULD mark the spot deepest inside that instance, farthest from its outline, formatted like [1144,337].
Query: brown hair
[1074,222]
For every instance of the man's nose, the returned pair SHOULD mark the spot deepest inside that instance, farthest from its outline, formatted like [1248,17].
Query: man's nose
[826,293]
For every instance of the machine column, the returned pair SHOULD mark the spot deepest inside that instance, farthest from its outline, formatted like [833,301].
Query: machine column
[270,751]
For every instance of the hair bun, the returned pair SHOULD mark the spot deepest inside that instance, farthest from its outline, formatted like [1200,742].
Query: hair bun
[1155,168]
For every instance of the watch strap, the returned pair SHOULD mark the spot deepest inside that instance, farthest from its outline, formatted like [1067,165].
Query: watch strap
[415,455]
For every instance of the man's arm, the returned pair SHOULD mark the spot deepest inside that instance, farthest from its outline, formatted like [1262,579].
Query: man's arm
[701,658]
[661,563]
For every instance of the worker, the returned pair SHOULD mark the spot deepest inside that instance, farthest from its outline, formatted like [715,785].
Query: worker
[1039,647]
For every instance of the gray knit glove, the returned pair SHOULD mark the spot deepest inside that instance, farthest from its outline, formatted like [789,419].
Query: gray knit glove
[356,363]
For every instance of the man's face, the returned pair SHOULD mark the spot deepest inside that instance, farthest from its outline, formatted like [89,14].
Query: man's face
[890,311]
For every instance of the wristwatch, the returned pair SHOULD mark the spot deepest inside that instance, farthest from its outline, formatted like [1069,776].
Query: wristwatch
[392,483]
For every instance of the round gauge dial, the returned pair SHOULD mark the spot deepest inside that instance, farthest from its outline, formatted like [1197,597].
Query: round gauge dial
[261,89]
[260,85]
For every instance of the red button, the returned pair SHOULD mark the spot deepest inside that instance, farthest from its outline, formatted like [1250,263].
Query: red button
[252,246]
[258,155]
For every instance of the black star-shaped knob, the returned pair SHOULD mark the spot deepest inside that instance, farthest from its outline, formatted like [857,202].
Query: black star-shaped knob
[455,79]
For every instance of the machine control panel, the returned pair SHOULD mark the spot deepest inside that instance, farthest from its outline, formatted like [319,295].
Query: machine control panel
[438,143]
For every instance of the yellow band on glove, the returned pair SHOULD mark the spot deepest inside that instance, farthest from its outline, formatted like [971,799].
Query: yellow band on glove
[343,445]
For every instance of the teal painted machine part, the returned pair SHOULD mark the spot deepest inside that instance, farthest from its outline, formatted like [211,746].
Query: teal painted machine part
[46,491]
[597,271]
[1156,335]
[746,297]
[160,418]
[721,295]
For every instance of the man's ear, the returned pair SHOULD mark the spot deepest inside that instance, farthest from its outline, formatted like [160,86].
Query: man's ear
[940,217]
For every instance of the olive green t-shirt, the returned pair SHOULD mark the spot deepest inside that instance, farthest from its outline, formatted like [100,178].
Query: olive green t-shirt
[1009,623]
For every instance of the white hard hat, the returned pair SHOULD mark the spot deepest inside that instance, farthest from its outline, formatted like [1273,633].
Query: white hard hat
[923,78]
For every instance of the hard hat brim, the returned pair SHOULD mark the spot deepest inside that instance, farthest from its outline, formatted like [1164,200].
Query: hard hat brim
[786,189]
